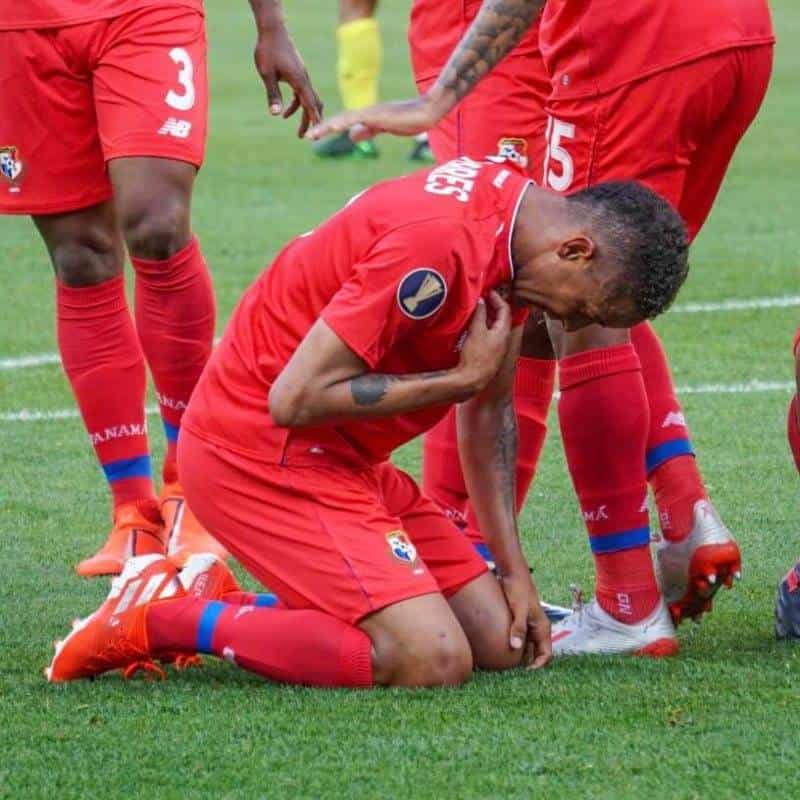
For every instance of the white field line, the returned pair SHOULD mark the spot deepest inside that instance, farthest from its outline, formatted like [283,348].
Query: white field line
[28,415]
[786,301]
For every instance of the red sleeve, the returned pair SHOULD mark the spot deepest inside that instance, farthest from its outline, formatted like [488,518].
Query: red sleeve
[402,285]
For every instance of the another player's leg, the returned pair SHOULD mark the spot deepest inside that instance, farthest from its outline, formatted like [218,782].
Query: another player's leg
[175,312]
[150,93]
[599,374]
[787,602]
[102,357]
[360,52]
[697,554]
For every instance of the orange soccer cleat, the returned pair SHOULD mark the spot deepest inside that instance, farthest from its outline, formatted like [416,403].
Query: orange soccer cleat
[137,531]
[115,636]
[207,576]
[184,533]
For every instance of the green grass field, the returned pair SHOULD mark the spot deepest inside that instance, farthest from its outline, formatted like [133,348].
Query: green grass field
[720,719]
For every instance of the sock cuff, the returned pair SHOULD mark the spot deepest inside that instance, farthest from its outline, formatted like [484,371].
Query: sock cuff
[108,296]
[356,658]
[591,364]
[151,268]
[355,27]
[535,378]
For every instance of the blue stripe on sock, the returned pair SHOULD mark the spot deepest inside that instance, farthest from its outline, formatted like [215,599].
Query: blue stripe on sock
[171,431]
[664,452]
[265,600]
[624,540]
[205,630]
[138,467]
[484,552]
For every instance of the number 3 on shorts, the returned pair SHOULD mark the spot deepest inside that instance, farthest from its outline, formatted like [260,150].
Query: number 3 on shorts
[556,131]
[182,101]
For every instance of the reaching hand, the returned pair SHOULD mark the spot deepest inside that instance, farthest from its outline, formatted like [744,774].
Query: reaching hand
[278,61]
[530,627]
[487,343]
[402,118]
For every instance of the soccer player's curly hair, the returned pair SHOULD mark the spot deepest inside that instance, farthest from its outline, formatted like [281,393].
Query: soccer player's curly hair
[645,235]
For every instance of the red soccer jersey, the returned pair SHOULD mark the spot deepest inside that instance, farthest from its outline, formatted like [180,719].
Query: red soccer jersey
[25,14]
[593,46]
[396,274]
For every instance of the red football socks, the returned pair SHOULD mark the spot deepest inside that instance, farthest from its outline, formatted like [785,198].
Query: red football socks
[305,647]
[604,420]
[671,466]
[103,360]
[442,479]
[175,317]
[793,431]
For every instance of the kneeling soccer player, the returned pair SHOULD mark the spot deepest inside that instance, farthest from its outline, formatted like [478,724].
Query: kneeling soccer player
[360,337]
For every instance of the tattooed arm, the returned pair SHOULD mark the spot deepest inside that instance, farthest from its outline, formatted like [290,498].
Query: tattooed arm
[498,27]
[487,444]
[325,380]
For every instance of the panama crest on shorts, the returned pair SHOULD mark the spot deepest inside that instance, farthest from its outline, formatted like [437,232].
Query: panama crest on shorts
[11,166]
[402,547]
[513,148]
[421,293]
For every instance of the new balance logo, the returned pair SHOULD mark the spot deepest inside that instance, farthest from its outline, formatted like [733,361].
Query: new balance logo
[179,128]
[674,418]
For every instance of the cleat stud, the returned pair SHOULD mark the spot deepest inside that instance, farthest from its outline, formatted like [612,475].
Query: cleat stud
[737,575]
[712,578]
[48,673]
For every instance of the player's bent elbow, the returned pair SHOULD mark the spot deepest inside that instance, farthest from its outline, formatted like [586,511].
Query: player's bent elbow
[285,407]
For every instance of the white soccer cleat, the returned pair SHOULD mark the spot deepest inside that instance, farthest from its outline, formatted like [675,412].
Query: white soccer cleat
[691,572]
[589,630]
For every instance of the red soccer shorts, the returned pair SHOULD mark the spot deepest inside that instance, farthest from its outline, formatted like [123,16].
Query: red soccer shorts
[504,113]
[675,131]
[344,541]
[76,97]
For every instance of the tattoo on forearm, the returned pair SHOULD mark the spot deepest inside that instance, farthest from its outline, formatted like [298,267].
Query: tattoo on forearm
[369,389]
[500,24]
[505,456]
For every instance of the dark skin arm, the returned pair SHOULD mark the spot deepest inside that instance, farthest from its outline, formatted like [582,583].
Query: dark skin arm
[495,31]
[325,381]
[278,61]
[487,444]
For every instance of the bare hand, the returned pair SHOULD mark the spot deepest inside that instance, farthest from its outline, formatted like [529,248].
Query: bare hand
[402,118]
[486,344]
[277,60]
[530,627]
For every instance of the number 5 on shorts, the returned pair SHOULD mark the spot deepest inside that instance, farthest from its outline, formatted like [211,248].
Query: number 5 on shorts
[184,101]
[556,131]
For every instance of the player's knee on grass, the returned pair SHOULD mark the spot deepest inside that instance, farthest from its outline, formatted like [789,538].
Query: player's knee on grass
[84,247]
[484,616]
[418,643]
[592,337]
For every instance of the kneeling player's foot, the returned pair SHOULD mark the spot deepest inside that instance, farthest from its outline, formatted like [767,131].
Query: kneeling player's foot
[421,150]
[184,533]
[342,146]
[207,576]
[115,636]
[589,630]
[692,570]
[787,605]
[137,531]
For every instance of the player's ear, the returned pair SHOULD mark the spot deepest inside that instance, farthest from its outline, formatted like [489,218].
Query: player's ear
[577,248]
